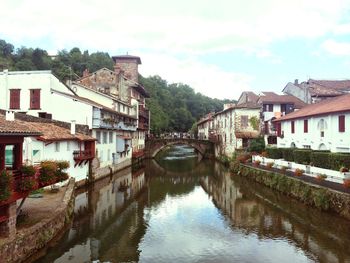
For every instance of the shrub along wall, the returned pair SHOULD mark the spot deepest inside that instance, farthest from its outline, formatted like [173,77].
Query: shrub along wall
[319,197]
[322,159]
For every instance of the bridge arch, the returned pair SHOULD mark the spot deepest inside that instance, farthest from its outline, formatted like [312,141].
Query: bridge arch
[154,146]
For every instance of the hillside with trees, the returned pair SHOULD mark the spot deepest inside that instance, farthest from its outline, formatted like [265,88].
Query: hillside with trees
[174,107]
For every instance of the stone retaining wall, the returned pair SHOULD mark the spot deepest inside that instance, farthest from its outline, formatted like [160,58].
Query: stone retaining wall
[317,196]
[21,247]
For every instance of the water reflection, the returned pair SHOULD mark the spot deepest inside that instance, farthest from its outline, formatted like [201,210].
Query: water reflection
[256,210]
[186,210]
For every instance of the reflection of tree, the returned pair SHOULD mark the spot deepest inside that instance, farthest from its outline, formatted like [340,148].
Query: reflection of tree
[259,210]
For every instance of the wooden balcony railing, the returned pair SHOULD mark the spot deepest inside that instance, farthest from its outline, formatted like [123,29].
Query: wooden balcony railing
[83,155]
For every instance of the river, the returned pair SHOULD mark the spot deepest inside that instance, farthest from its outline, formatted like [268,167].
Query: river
[179,208]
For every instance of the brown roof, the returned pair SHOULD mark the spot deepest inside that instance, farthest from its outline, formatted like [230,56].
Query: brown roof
[327,87]
[337,104]
[52,132]
[275,98]
[127,57]
[16,127]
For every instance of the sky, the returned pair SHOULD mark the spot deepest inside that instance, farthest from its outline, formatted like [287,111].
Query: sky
[220,48]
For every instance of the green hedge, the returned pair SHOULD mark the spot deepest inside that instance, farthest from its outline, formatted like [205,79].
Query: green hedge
[274,153]
[287,154]
[338,160]
[302,156]
[321,159]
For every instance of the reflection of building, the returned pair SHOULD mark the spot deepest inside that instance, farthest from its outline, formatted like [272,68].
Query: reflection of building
[262,212]
[111,214]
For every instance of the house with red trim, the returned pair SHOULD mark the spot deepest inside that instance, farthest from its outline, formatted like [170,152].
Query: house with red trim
[321,126]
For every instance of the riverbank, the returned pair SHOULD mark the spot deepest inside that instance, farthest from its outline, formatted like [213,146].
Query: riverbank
[46,218]
[326,198]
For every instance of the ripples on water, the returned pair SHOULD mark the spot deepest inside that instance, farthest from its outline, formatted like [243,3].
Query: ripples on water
[183,210]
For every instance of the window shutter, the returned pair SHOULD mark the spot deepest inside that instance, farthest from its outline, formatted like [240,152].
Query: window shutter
[15,98]
[306,128]
[341,123]
[292,127]
[35,99]
[278,128]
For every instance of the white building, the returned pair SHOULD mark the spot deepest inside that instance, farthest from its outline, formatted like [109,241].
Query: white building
[205,126]
[234,127]
[320,126]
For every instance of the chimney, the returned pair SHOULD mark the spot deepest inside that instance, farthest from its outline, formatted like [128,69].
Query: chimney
[296,82]
[72,127]
[10,115]
[86,73]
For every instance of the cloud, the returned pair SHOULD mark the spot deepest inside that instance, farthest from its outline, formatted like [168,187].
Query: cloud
[336,48]
[207,79]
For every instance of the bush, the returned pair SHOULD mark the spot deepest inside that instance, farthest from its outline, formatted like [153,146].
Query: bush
[26,184]
[274,153]
[243,158]
[338,160]
[28,170]
[321,159]
[5,180]
[302,156]
[270,165]
[48,171]
[299,172]
[257,145]
[62,165]
[288,154]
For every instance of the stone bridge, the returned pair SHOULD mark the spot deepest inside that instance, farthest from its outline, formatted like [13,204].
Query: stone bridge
[153,146]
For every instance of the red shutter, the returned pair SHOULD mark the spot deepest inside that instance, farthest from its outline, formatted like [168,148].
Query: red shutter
[306,126]
[35,99]
[292,127]
[341,123]
[15,98]
[278,128]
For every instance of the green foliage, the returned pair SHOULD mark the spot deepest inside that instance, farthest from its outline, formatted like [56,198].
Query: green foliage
[339,160]
[254,122]
[302,156]
[176,107]
[48,171]
[26,184]
[320,159]
[274,153]
[288,154]
[28,170]
[5,191]
[257,145]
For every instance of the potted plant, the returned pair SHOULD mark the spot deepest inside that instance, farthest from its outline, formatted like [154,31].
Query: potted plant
[299,172]
[5,181]
[269,165]
[256,163]
[284,168]
[346,183]
[321,177]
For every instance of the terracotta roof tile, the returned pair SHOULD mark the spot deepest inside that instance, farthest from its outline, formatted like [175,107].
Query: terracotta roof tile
[275,98]
[327,87]
[337,104]
[16,127]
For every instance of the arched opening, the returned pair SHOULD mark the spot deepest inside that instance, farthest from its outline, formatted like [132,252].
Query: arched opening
[322,147]
[322,126]
[292,145]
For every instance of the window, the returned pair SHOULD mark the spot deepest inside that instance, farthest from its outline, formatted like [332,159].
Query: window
[35,99]
[104,137]
[68,146]
[268,107]
[98,136]
[15,99]
[341,123]
[110,137]
[278,128]
[244,121]
[57,146]
[292,127]
[306,126]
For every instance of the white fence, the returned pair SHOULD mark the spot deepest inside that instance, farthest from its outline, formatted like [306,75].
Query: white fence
[332,176]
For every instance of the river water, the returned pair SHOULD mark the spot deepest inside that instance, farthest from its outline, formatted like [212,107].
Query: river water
[179,208]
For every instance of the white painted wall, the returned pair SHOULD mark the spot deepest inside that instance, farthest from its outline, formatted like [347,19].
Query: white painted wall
[62,108]
[333,140]
[49,152]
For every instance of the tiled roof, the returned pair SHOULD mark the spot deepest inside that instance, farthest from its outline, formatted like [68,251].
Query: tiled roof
[16,128]
[52,132]
[334,105]
[127,57]
[275,98]
[327,87]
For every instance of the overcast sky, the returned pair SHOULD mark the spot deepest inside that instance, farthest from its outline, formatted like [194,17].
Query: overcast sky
[220,48]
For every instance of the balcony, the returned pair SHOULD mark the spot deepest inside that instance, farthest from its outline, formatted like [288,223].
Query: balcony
[143,126]
[83,156]
[113,121]
[143,112]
